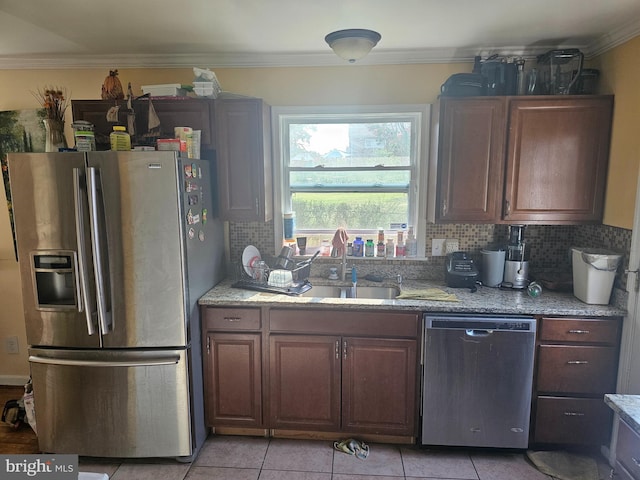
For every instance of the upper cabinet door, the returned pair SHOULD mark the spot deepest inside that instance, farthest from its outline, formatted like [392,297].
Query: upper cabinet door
[557,157]
[471,159]
[243,139]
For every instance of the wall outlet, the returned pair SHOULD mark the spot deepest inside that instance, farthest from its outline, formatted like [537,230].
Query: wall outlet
[451,245]
[11,345]
[438,247]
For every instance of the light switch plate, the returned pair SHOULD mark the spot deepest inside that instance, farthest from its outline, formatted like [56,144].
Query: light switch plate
[438,247]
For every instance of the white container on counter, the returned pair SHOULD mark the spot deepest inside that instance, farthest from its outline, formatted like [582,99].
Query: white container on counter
[593,273]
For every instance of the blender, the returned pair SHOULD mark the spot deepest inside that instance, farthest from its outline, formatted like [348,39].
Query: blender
[516,265]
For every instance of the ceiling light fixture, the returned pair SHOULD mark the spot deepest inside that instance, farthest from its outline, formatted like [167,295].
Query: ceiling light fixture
[352,44]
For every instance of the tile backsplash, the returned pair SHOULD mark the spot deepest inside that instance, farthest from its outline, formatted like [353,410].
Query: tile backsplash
[549,247]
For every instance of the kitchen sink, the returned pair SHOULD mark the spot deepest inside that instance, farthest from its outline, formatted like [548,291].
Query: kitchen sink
[330,291]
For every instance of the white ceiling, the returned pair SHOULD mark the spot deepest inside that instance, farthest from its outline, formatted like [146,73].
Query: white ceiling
[220,33]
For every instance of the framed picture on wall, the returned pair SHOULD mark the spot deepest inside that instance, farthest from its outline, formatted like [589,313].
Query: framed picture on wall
[20,131]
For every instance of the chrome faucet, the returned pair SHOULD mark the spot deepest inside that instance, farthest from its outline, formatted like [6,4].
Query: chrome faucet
[399,280]
[343,272]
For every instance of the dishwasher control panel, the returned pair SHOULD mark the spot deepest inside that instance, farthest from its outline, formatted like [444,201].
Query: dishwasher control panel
[521,324]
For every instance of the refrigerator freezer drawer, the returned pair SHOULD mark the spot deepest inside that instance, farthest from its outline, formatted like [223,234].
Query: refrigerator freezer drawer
[112,403]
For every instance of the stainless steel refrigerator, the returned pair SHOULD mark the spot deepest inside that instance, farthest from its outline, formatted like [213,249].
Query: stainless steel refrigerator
[115,248]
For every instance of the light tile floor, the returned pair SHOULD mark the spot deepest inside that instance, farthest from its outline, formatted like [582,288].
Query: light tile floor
[249,458]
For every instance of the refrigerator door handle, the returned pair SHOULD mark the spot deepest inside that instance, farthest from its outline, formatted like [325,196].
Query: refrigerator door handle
[92,192]
[83,280]
[152,362]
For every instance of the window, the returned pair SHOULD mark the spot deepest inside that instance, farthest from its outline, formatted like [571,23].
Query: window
[358,168]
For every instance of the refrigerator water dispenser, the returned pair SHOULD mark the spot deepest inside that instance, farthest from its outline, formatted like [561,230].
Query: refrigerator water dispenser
[54,275]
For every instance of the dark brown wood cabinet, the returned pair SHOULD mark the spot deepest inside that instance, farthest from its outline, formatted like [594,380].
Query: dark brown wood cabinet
[540,159]
[197,113]
[354,382]
[576,364]
[470,159]
[557,158]
[378,385]
[305,382]
[232,367]
[243,140]
[627,465]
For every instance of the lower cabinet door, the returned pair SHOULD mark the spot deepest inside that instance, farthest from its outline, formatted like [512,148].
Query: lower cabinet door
[305,382]
[379,386]
[628,449]
[569,420]
[233,380]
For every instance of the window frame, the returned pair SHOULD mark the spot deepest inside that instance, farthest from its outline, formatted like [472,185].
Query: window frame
[418,114]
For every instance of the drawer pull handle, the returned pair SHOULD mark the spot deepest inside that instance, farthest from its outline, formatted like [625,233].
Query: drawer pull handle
[577,362]
[636,461]
[574,414]
[579,331]
[232,319]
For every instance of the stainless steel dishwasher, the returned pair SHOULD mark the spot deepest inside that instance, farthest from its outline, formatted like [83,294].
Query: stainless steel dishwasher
[478,375]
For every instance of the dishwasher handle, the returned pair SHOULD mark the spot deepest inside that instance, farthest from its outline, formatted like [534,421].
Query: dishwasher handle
[474,332]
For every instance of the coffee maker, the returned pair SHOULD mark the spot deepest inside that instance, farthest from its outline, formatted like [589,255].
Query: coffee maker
[516,265]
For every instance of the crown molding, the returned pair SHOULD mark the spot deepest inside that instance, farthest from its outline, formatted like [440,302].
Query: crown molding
[306,59]
[611,40]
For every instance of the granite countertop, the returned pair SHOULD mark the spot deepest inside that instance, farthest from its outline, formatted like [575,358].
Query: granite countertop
[485,300]
[627,406]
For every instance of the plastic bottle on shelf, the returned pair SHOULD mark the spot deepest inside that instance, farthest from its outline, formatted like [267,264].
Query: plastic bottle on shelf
[358,247]
[400,250]
[369,248]
[389,249]
[411,246]
[120,139]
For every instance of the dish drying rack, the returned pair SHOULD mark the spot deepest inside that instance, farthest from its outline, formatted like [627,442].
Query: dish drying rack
[298,285]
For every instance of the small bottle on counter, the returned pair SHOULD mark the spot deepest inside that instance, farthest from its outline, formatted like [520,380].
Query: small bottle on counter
[369,248]
[350,249]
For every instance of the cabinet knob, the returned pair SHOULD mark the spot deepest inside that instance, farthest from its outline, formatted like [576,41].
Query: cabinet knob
[344,350]
[573,414]
[232,319]
[444,208]
[577,362]
[337,349]
[507,208]
[580,332]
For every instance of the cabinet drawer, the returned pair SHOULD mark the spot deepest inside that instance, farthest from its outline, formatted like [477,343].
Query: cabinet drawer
[628,449]
[579,421]
[581,330]
[576,369]
[231,319]
[386,324]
